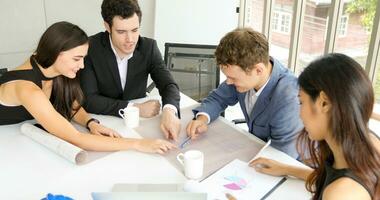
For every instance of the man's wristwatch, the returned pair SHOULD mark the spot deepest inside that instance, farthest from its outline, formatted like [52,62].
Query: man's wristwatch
[91,120]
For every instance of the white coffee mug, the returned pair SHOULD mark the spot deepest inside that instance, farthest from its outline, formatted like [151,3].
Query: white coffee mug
[131,116]
[192,162]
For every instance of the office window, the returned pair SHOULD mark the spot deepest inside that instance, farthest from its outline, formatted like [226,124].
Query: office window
[275,21]
[356,38]
[377,85]
[254,14]
[313,36]
[376,88]
[342,29]
[353,32]
[281,22]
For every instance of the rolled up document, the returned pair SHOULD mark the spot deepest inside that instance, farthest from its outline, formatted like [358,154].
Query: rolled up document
[65,149]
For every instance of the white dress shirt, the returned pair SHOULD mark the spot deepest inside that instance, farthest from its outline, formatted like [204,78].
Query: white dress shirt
[122,65]
[252,96]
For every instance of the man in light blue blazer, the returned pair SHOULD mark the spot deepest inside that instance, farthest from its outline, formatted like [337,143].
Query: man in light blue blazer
[266,90]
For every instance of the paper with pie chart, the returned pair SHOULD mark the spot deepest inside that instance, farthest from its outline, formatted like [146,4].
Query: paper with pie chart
[237,183]
[240,180]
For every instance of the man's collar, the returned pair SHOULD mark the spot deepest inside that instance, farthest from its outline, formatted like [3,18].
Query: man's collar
[115,52]
[262,88]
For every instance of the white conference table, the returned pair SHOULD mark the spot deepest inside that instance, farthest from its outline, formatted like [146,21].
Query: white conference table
[28,170]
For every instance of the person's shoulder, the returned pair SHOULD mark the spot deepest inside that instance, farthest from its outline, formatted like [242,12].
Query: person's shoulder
[97,36]
[146,39]
[146,47]
[97,39]
[345,188]
[145,43]
[26,85]
[25,89]
[282,73]
[286,91]
[97,44]
[286,85]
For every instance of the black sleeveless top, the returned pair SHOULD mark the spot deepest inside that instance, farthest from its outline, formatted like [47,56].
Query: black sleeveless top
[16,114]
[334,174]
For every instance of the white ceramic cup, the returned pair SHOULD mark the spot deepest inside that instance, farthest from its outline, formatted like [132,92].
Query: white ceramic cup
[131,116]
[192,162]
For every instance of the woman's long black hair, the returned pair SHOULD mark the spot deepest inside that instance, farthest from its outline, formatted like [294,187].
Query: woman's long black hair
[350,92]
[62,36]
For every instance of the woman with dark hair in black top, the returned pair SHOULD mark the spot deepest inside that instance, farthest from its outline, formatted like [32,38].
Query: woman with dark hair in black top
[46,88]
[337,99]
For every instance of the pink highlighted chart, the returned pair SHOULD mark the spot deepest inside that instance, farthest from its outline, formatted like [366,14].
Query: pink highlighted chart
[237,183]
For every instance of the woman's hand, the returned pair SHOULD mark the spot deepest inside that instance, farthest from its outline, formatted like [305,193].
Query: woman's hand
[154,146]
[98,129]
[274,168]
[268,166]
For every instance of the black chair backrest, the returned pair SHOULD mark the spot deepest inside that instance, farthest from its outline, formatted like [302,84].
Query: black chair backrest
[3,70]
[150,87]
[193,67]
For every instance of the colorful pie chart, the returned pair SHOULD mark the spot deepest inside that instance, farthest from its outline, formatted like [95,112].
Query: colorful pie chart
[237,183]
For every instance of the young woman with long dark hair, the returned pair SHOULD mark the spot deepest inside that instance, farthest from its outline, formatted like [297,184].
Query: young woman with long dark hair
[47,89]
[337,100]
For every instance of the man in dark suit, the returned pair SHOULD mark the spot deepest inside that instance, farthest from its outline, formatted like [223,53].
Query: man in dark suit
[117,66]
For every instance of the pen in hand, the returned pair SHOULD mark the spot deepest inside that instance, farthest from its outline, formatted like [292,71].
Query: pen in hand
[187,140]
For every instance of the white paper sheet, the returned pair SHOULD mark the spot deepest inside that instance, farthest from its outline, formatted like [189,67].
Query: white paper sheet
[239,180]
[65,149]
[221,144]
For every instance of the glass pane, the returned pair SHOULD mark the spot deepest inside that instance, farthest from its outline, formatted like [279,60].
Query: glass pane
[281,26]
[254,14]
[313,38]
[374,125]
[376,85]
[353,34]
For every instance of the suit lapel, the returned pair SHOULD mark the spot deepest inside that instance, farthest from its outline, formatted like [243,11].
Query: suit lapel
[111,62]
[133,65]
[259,106]
[266,94]
[241,97]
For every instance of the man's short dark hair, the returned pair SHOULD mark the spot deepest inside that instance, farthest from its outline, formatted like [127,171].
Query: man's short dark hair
[122,8]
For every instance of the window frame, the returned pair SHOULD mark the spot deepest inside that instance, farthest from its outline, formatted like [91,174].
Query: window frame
[334,27]
[282,23]
[345,26]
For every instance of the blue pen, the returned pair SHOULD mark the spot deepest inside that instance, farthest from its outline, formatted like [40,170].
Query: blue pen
[185,142]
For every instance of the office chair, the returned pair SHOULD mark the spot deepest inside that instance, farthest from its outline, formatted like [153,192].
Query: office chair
[193,67]
[3,70]
[239,121]
[150,87]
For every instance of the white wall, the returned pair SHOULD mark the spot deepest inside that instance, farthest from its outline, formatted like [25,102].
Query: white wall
[194,21]
[84,13]
[148,14]
[23,22]
[183,21]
